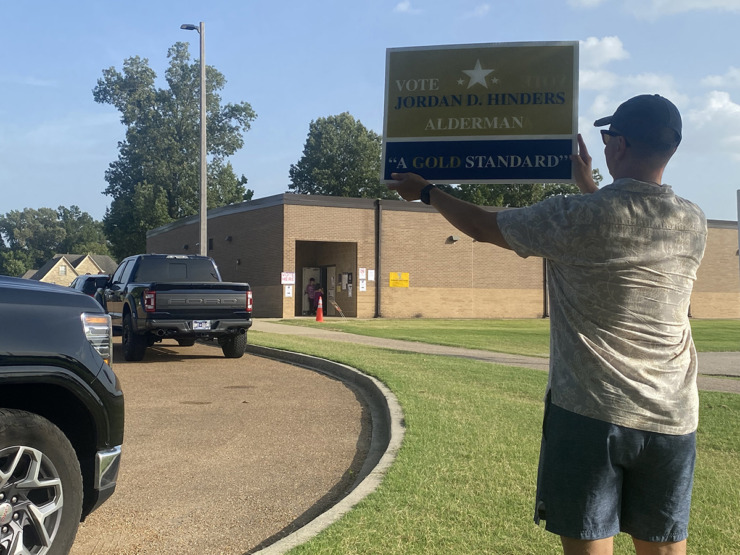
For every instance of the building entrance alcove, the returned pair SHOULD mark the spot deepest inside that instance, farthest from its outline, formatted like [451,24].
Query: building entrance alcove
[332,264]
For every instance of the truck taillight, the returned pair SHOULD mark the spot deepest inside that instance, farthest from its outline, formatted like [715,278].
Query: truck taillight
[150,300]
[99,332]
[249,301]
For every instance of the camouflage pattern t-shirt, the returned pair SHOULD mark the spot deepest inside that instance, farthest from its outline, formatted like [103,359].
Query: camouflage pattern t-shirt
[621,263]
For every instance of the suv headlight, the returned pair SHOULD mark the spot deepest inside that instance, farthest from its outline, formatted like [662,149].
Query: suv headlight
[99,332]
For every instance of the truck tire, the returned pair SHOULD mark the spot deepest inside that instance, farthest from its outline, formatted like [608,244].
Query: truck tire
[41,494]
[134,345]
[187,342]
[234,346]
[100,297]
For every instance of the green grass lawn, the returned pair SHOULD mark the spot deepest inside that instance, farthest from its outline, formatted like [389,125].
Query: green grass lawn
[464,479]
[529,337]
[716,335]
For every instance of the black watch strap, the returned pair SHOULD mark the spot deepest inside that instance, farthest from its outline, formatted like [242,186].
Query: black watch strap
[425,193]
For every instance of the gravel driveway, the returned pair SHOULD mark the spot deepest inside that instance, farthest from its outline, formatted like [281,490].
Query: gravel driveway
[223,455]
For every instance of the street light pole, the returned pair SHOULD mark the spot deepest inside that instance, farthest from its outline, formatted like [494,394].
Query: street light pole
[203,161]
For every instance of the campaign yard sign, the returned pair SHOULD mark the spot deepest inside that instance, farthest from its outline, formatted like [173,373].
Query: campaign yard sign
[482,113]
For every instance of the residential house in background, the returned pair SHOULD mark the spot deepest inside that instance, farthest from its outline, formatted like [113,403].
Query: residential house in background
[64,268]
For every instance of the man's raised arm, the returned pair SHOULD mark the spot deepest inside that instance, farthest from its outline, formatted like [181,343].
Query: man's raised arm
[469,218]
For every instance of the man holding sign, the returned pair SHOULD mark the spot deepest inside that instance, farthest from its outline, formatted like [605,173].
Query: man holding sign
[621,410]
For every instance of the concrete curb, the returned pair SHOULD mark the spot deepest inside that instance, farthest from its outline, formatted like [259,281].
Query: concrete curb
[387,435]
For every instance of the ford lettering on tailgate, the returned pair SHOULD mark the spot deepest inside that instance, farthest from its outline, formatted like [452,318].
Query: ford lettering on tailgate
[187,301]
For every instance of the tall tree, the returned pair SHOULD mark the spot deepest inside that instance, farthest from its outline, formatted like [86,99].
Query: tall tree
[31,237]
[83,234]
[156,178]
[513,195]
[341,158]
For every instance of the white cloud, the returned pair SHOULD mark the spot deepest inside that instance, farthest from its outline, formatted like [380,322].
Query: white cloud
[730,79]
[653,9]
[30,81]
[597,80]
[719,114]
[596,53]
[602,106]
[656,8]
[712,127]
[406,7]
[655,83]
[644,83]
[479,11]
[627,86]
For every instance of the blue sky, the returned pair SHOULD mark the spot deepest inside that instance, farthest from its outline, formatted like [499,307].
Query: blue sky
[296,61]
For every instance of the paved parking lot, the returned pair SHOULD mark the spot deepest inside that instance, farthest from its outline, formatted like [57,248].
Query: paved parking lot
[221,455]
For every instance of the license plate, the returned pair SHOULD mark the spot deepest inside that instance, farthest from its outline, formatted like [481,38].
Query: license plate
[201,325]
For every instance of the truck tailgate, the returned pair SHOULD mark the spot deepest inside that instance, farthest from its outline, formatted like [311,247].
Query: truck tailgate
[201,300]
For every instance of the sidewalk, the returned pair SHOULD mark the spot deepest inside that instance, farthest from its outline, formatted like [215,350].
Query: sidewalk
[717,371]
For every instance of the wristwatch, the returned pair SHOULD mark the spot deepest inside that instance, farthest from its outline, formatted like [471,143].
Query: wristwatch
[425,193]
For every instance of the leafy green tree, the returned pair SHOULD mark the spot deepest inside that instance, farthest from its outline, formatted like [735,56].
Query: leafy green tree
[83,234]
[598,178]
[31,237]
[513,195]
[156,178]
[341,158]
[37,233]
[15,263]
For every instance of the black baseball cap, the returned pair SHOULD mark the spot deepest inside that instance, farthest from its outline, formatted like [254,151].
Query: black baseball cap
[645,118]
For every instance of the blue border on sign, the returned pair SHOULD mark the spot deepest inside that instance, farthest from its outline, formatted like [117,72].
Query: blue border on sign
[455,161]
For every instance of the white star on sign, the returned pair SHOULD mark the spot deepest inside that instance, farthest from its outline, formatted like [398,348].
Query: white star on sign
[478,74]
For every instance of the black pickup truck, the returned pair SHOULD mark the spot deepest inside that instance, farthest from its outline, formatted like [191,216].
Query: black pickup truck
[152,297]
[61,414]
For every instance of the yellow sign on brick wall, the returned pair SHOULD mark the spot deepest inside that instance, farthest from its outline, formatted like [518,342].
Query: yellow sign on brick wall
[399,279]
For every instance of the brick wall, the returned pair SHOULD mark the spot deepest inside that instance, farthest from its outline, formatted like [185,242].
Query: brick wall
[717,289]
[450,275]
[342,237]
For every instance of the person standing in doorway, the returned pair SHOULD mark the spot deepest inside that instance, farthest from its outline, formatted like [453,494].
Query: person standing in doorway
[311,293]
[318,296]
[621,407]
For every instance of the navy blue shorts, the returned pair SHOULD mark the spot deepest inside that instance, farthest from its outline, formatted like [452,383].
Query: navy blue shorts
[596,479]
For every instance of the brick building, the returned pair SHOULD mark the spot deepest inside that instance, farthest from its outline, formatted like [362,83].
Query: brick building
[393,259]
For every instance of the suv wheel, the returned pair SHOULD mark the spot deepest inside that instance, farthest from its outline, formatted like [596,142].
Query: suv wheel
[234,346]
[134,345]
[40,486]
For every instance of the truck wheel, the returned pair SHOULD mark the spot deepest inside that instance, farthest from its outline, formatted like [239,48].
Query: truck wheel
[186,342]
[100,298]
[134,345]
[234,346]
[40,485]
